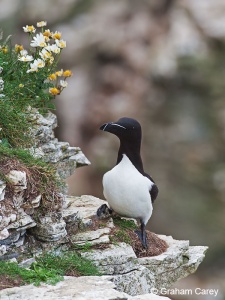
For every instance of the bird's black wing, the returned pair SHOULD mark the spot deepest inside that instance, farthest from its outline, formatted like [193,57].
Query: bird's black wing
[154,189]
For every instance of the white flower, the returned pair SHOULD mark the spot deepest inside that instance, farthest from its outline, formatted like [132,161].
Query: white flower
[38,41]
[1,69]
[45,54]
[38,63]
[26,58]
[23,52]
[53,48]
[41,24]
[60,43]
[63,83]
[2,95]
[31,29]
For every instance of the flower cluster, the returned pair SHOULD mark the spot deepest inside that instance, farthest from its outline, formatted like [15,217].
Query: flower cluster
[47,46]
[60,84]
[29,80]
[30,76]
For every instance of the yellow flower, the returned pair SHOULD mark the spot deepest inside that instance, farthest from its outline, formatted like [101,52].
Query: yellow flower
[21,85]
[59,73]
[57,35]
[67,73]
[52,77]
[47,33]
[5,49]
[30,29]
[18,48]
[41,24]
[54,91]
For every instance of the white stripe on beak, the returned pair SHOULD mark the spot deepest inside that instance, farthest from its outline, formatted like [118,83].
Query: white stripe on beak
[114,124]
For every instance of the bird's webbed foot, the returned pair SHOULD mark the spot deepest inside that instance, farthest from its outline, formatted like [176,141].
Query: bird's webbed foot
[104,211]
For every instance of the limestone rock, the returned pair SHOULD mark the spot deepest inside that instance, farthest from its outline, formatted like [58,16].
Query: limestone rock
[139,275]
[66,158]
[177,262]
[18,180]
[2,190]
[4,234]
[81,209]
[23,221]
[2,250]
[49,229]
[114,260]
[16,215]
[100,236]
[80,288]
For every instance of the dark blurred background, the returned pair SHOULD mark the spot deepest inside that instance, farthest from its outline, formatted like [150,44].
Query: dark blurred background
[163,63]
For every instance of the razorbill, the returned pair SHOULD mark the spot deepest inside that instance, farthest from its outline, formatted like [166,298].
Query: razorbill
[128,190]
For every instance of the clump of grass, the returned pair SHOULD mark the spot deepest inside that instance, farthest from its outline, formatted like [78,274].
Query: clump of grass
[36,275]
[122,236]
[41,176]
[124,224]
[123,230]
[50,268]
[83,248]
[69,263]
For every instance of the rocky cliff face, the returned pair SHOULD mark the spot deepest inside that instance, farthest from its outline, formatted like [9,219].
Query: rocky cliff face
[17,212]
[23,231]
[131,276]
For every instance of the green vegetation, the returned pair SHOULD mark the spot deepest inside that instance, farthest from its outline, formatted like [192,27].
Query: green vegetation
[122,236]
[124,223]
[29,82]
[50,268]
[41,176]
[124,227]
[83,248]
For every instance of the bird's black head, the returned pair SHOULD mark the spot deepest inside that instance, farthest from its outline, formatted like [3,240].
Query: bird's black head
[129,132]
[126,129]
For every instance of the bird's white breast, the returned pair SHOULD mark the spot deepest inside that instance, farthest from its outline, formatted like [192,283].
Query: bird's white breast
[127,191]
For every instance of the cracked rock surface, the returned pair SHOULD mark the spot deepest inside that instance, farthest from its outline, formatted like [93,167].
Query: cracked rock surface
[132,275]
[81,288]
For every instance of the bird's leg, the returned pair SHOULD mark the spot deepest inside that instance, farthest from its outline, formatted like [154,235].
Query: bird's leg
[104,211]
[142,235]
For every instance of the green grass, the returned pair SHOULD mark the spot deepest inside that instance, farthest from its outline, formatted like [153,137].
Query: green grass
[83,248]
[50,268]
[36,275]
[122,236]
[124,224]
[41,176]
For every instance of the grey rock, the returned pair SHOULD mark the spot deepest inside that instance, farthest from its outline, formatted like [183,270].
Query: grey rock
[80,288]
[11,238]
[2,190]
[22,222]
[117,259]
[18,180]
[2,249]
[4,234]
[99,236]
[36,201]
[82,209]
[179,261]
[50,231]
[27,262]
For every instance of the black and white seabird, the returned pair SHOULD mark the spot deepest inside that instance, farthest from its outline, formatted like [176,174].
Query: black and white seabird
[129,191]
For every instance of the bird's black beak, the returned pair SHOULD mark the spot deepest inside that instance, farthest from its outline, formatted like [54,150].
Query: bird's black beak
[111,127]
[106,126]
